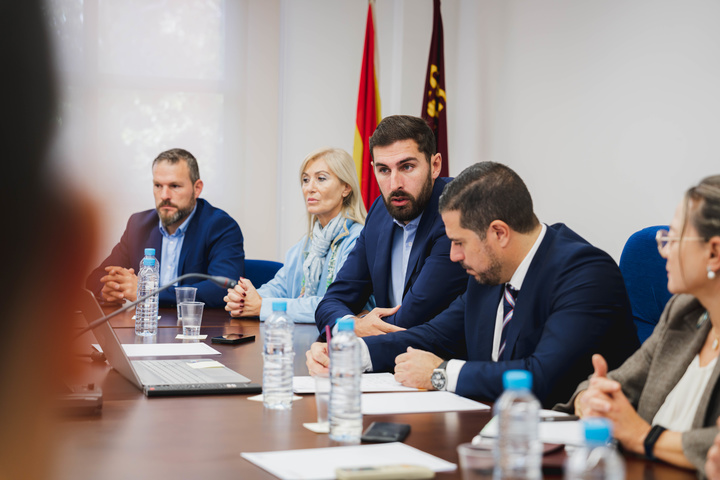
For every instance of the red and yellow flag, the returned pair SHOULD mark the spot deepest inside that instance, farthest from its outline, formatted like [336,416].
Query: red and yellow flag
[434,109]
[368,114]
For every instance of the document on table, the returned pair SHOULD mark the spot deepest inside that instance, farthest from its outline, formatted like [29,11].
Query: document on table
[165,349]
[320,463]
[417,402]
[568,433]
[371,382]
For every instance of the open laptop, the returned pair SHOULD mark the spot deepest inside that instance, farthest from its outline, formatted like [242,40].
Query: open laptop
[162,377]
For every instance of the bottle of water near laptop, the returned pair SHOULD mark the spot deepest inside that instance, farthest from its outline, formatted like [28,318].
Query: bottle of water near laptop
[597,459]
[278,359]
[146,312]
[344,410]
[150,253]
[518,451]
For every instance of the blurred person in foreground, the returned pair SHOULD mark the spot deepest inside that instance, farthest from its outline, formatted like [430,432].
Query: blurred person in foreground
[663,401]
[189,235]
[47,240]
[336,216]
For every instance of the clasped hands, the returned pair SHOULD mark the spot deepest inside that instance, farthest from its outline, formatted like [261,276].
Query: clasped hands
[119,284]
[605,398]
[243,300]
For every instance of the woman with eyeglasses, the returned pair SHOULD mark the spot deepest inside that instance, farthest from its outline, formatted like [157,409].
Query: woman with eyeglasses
[664,400]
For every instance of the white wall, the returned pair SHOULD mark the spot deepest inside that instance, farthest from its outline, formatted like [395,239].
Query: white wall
[607,108]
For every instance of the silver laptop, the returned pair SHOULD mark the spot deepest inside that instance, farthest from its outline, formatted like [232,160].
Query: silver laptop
[162,377]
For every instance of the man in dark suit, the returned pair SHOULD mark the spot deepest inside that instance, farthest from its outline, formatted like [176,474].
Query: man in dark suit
[541,299]
[188,234]
[402,252]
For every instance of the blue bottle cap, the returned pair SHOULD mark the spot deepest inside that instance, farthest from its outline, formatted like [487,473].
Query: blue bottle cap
[517,380]
[598,430]
[345,324]
[150,252]
[279,306]
[149,261]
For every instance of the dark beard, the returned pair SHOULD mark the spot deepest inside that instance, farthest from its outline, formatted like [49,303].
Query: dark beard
[414,207]
[176,217]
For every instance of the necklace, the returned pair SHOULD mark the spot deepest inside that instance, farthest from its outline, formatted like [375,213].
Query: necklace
[701,321]
[716,342]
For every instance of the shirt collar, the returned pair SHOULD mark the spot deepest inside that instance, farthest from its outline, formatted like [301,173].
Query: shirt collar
[519,276]
[411,225]
[181,229]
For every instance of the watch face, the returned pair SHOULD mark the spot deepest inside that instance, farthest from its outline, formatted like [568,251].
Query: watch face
[438,379]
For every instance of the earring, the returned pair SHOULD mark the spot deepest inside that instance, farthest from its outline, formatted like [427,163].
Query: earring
[710,274]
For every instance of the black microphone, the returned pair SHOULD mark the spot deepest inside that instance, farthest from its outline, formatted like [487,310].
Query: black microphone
[223,282]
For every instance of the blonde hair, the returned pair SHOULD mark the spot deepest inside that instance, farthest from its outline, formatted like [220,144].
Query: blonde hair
[342,165]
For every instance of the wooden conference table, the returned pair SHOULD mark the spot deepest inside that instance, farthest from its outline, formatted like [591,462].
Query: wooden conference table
[201,437]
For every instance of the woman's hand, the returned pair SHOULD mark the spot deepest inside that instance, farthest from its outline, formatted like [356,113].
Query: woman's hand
[605,398]
[237,299]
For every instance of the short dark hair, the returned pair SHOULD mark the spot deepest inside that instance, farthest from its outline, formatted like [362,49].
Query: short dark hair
[174,155]
[489,191]
[404,127]
[705,214]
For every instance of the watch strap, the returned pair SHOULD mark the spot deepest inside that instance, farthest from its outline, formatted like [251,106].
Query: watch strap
[651,439]
[443,365]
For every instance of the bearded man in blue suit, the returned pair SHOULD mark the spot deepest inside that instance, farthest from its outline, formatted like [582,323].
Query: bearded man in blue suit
[541,298]
[402,252]
[188,234]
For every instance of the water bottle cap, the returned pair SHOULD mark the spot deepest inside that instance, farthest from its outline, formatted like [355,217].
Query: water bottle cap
[149,261]
[517,380]
[150,252]
[345,324]
[279,306]
[598,430]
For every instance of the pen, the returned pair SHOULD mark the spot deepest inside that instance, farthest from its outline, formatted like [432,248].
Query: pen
[561,418]
[327,333]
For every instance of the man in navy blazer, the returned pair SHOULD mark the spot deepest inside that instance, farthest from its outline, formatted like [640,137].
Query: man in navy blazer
[402,255]
[570,302]
[197,237]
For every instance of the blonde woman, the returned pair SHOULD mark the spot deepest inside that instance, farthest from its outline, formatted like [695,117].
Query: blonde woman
[336,216]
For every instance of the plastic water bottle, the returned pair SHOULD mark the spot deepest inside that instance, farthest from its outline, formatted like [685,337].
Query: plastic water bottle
[597,459]
[150,253]
[344,411]
[146,312]
[278,356]
[518,451]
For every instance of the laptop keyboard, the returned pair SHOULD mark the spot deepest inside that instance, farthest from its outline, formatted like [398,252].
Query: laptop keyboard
[172,373]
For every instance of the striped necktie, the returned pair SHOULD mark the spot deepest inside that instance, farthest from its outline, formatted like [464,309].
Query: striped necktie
[509,296]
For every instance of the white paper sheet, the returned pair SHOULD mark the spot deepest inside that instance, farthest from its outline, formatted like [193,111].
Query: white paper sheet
[371,382]
[165,349]
[568,433]
[320,463]
[417,402]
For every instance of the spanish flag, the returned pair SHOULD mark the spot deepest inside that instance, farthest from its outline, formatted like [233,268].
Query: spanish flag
[368,113]
[434,109]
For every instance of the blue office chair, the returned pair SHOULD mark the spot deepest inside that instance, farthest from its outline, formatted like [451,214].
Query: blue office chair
[259,272]
[645,277]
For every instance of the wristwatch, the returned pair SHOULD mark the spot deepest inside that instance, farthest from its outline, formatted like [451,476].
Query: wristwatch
[439,377]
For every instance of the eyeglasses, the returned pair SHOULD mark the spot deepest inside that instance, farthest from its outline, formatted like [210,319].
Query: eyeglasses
[663,238]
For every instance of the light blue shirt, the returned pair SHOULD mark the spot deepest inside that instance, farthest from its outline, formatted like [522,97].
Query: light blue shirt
[287,283]
[171,248]
[403,240]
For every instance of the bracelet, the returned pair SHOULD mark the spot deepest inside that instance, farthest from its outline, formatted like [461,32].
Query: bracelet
[651,439]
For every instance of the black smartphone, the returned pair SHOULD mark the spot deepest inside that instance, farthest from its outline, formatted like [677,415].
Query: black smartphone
[233,338]
[382,432]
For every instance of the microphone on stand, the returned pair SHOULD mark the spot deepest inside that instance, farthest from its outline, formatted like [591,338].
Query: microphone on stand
[223,282]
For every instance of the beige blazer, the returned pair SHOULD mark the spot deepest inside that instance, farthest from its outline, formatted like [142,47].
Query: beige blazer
[648,376]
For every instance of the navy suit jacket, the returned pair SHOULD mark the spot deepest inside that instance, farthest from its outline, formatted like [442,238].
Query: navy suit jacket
[432,282]
[572,304]
[213,245]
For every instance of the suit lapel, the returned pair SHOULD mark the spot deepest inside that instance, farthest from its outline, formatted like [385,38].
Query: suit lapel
[671,362]
[383,262]
[191,235]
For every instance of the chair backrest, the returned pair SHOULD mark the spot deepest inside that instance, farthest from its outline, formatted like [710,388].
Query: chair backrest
[645,277]
[259,272]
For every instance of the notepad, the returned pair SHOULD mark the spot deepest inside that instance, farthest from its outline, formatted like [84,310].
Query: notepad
[371,382]
[320,463]
[417,402]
